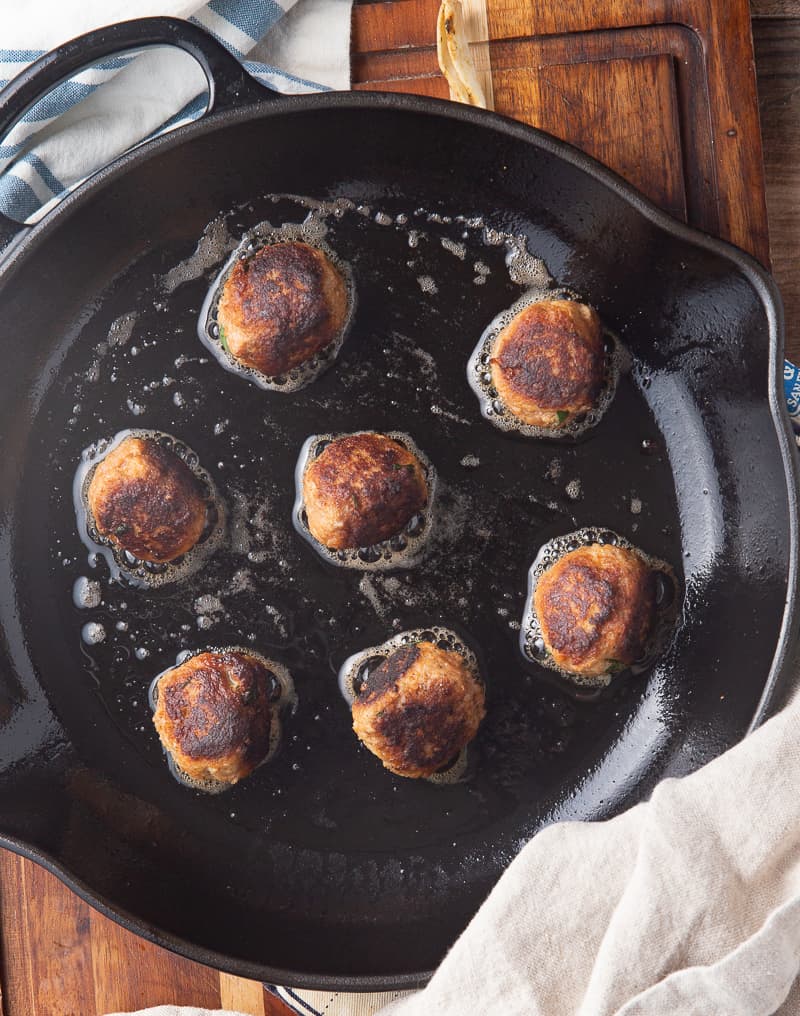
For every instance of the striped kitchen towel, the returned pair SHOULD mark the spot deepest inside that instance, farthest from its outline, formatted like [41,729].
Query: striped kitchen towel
[305,1003]
[334,1003]
[290,46]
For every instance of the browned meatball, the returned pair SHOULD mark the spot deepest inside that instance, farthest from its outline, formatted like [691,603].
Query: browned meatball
[596,607]
[144,499]
[418,709]
[213,715]
[547,363]
[361,489]
[281,306]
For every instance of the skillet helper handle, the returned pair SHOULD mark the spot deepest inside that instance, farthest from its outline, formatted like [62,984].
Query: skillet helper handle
[228,82]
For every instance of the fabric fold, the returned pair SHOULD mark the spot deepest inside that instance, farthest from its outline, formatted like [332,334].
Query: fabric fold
[685,904]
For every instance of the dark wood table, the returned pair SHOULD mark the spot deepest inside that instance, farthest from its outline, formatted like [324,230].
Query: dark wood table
[776,37]
[60,957]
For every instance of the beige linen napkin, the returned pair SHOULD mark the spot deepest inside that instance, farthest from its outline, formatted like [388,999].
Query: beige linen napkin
[688,905]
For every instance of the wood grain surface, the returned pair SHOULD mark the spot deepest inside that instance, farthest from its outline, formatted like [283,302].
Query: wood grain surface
[664,92]
[760,9]
[654,105]
[777,48]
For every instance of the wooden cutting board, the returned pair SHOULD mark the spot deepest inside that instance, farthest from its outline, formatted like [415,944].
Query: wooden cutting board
[664,92]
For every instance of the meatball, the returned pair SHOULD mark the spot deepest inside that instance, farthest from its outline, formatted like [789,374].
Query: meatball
[361,489]
[281,306]
[213,715]
[548,362]
[596,608]
[418,709]
[147,501]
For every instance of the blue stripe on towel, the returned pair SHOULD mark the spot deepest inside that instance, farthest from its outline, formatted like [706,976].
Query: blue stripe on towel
[254,19]
[262,69]
[44,171]
[58,101]
[191,111]
[26,56]
[17,199]
[228,45]
[301,1001]
[114,63]
[23,56]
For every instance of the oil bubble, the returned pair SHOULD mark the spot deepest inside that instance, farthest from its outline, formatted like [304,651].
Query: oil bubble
[86,593]
[93,633]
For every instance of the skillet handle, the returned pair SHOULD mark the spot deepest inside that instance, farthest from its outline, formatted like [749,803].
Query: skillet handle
[228,82]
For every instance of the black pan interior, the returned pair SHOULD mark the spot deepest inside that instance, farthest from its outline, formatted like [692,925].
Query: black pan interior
[322,865]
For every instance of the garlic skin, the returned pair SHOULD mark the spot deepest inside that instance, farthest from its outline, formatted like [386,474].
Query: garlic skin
[455,57]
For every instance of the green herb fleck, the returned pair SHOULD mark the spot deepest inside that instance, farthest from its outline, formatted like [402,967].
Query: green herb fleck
[562,415]
[615,666]
[223,341]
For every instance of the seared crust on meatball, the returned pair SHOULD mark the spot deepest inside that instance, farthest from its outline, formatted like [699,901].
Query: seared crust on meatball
[547,363]
[213,715]
[418,709]
[596,607]
[144,499]
[281,306]
[361,489]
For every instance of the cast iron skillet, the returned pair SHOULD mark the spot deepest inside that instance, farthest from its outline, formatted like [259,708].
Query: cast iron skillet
[322,870]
